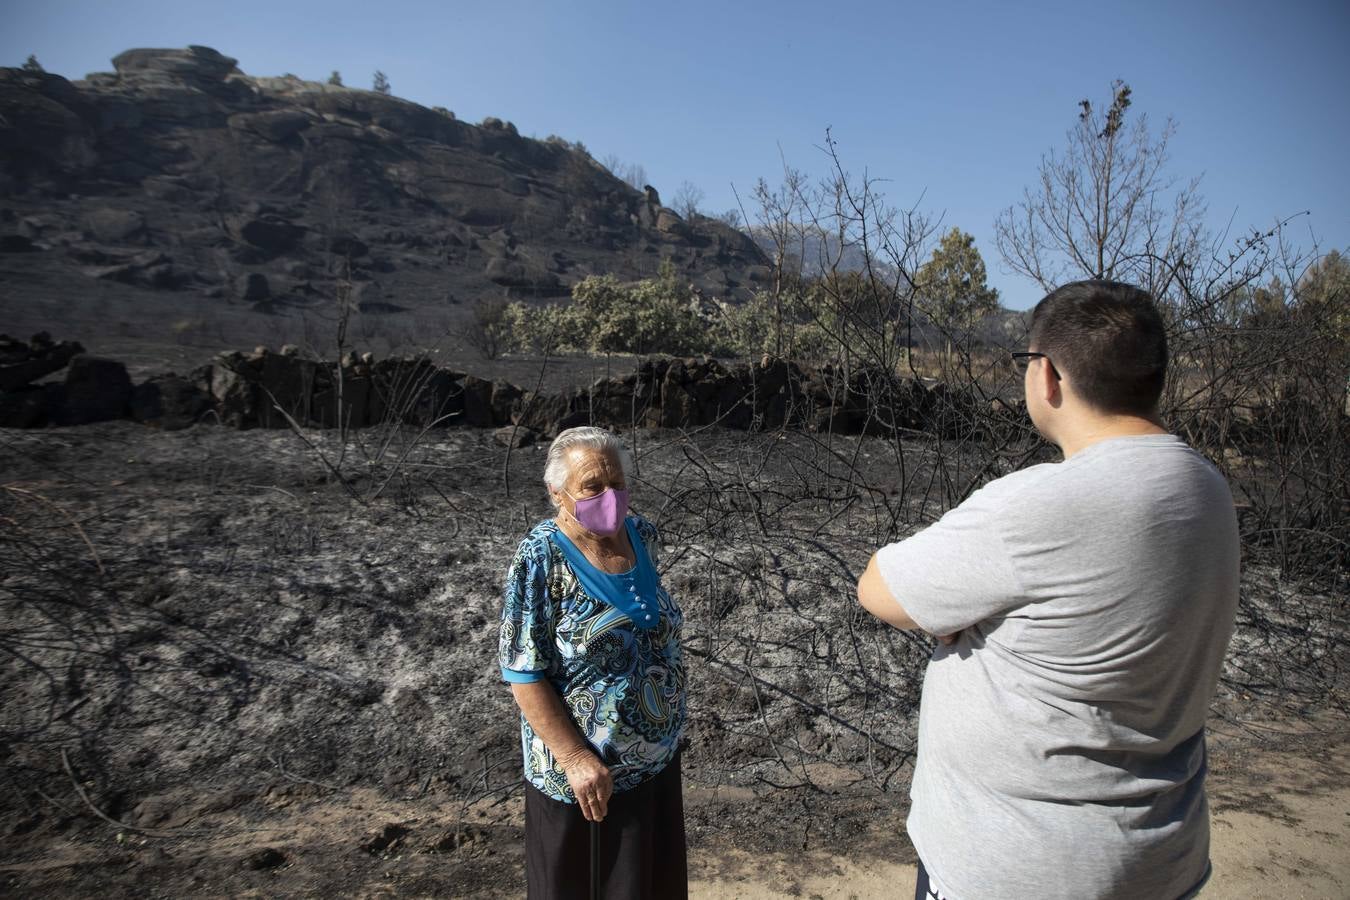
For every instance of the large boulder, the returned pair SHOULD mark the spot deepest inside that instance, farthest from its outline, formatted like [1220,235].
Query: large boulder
[150,269]
[478,410]
[23,363]
[345,245]
[415,392]
[953,412]
[170,402]
[515,436]
[355,403]
[521,274]
[486,404]
[679,406]
[195,63]
[699,392]
[440,401]
[287,384]
[669,222]
[115,226]
[31,407]
[506,397]
[44,129]
[549,414]
[273,125]
[868,399]
[267,232]
[253,287]
[234,391]
[17,243]
[622,401]
[97,390]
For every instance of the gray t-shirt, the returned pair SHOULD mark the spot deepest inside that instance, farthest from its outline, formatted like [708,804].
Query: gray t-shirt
[1061,738]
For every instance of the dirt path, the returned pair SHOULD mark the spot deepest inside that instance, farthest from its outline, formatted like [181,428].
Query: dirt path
[1280,827]
[1280,813]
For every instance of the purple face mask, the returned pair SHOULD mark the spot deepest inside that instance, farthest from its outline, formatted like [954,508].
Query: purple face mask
[603,513]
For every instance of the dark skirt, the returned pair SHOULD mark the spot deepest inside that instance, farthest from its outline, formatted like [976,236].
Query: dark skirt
[640,849]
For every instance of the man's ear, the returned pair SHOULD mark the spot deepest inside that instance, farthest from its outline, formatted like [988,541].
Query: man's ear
[1050,386]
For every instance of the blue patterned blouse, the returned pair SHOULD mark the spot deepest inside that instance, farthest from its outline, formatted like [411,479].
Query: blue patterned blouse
[609,644]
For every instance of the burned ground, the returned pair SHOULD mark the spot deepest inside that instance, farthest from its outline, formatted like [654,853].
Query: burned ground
[227,674]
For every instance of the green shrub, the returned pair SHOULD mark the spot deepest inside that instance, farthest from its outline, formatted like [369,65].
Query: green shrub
[606,315]
[810,321]
[803,323]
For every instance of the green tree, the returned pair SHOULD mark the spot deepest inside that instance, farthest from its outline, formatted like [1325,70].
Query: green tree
[1323,295]
[335,78]
[32,65]
[1322,310]
[1263,308]
[953,288]
[381,83]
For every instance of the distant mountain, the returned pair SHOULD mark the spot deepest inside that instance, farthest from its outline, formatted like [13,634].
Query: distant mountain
[817,252]
[179,174]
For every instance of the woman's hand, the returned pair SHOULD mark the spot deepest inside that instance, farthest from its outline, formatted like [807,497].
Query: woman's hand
[591,783]
[548,716]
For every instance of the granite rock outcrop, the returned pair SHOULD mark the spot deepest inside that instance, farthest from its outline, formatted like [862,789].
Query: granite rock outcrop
[178,172]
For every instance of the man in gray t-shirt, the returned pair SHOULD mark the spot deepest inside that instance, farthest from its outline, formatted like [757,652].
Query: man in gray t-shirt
[1084,609]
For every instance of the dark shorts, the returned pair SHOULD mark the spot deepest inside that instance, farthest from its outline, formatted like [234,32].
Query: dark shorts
[640,848]
[923,890]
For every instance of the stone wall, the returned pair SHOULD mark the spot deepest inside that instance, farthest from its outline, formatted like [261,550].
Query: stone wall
[266,389]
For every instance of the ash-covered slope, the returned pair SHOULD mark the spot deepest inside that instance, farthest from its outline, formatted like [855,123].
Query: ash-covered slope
[179,173]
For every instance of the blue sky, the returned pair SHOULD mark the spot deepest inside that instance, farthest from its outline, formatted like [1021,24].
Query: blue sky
[955,102]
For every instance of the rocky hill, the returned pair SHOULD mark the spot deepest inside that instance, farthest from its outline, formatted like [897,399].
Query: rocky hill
[179,188]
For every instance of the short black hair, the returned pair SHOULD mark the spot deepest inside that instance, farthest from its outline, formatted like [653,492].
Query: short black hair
[1110,339]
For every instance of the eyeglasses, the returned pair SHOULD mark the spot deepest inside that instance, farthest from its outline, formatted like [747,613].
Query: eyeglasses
[1021,358]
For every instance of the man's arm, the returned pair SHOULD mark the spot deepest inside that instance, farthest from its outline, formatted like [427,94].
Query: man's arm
[877,599]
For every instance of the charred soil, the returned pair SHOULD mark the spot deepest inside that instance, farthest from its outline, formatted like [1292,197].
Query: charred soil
[226,673]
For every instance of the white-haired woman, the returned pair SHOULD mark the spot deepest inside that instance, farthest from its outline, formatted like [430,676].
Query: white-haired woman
[590,644]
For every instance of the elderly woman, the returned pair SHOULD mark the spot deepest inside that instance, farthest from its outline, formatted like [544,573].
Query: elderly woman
[590,644]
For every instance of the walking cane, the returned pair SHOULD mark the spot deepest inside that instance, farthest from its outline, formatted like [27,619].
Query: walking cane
[595,863]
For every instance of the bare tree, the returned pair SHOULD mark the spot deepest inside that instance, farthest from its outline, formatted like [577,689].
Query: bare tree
[687,198]
[632,174]
[783,214]
[731,218]
[1259,366]
[847,227]
[1105,207]
[489,332]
